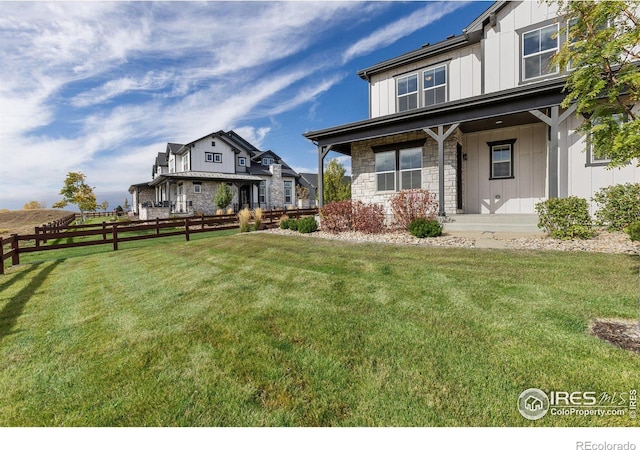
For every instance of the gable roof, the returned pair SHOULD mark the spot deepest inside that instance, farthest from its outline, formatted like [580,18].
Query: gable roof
[471,35]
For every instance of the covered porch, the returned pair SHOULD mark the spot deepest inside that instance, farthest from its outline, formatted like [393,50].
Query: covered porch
[525,126]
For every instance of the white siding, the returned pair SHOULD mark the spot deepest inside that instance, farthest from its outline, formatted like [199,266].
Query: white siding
[463,78]
[198,162]
[502,44]
[586,180]
[518,195]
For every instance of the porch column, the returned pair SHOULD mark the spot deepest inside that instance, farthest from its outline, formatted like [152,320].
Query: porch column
[322,152]
[440,138]
[558,167]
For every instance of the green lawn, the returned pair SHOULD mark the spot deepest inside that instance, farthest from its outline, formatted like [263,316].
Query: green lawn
[258,329]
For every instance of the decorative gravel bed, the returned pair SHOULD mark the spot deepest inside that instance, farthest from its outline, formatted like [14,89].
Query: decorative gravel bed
[604,242]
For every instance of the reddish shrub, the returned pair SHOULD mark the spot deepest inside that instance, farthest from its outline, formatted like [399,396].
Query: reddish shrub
[412,204]
[337,216]
[368,218]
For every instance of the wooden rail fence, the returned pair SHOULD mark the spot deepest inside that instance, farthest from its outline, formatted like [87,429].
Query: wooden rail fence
[115,233]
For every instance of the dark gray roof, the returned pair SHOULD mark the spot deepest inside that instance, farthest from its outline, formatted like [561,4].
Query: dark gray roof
[308,179]
[173,148]
[471,35]
[145,185]
[205,176]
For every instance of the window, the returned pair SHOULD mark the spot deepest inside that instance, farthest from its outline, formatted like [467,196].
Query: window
[242,161]
[197,188]
[603,160]
[410,168]
[266,161]
[208,157]
[501,159]
[185,162]
[386,171]
[288,192]
[262,192]
[434,85]
[538,47]
[408,92]
[213,157]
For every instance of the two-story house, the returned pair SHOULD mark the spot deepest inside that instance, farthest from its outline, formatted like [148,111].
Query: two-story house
[185,177]
[475,118]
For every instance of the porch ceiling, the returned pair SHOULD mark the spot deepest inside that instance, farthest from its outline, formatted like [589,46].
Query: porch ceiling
[473,114]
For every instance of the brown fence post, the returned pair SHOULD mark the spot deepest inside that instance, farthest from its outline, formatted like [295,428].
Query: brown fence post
[157,225]
[104,231]
[1,257]
[186,229]
[37,232]
[15,256]
[202,219]
[115,237]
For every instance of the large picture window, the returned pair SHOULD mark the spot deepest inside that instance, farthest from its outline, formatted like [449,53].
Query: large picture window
[399,169]
[386,171]
[501,159]
[538,47]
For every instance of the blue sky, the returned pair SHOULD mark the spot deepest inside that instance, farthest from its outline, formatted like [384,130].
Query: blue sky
[101,87]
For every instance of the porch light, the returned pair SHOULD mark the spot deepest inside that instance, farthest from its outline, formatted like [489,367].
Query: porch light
[498,122]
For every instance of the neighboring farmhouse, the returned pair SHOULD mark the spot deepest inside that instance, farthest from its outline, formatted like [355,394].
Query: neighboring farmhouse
[475,118]
[185,178]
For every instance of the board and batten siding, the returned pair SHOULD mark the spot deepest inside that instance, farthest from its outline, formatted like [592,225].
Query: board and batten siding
[511,196]
[464,79]
[585,180]
[502,62]
[199,164]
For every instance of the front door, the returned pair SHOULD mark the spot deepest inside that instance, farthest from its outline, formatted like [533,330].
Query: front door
[459,158]
[245,198]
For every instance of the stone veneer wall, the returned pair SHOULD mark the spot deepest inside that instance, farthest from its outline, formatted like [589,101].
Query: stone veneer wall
[276,187]
[363,178]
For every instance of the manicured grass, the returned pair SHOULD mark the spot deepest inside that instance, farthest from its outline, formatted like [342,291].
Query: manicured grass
[258,329]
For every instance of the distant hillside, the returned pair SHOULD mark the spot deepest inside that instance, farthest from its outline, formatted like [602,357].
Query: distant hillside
[23,221]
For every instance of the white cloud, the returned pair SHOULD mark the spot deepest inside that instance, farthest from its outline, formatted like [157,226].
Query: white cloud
[400,28]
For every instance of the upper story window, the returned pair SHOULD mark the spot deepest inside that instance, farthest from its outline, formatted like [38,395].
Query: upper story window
[185,162]
[408,92]
[266,161]
[538,47]
[242,161]
[213,157]
[433,84]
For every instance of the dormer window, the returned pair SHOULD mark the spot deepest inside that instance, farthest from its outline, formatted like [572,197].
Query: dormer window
[267,161]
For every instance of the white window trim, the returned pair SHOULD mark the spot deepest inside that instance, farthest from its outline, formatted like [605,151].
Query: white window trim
[290,188]
[197,188]
[208,157]
[242,161]
[536,54]
[267,161]
[420,89]
[413,169]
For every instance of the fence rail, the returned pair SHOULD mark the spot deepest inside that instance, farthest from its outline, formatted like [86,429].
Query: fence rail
[115,233]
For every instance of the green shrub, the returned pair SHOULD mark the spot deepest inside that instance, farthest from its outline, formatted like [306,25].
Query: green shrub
[307,225]
[293,224]
[633,230]
[423,227]
[619,205]
[565,218]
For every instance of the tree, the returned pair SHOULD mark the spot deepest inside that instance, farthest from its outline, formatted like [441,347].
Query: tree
[76,191]
[223,196]
[104,205]
[34,205]
[335,187]
[602,51]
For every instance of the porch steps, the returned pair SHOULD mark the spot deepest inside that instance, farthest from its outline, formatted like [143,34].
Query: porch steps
[520,223]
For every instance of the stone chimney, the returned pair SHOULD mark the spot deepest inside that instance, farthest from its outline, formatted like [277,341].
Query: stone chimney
[276,188]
